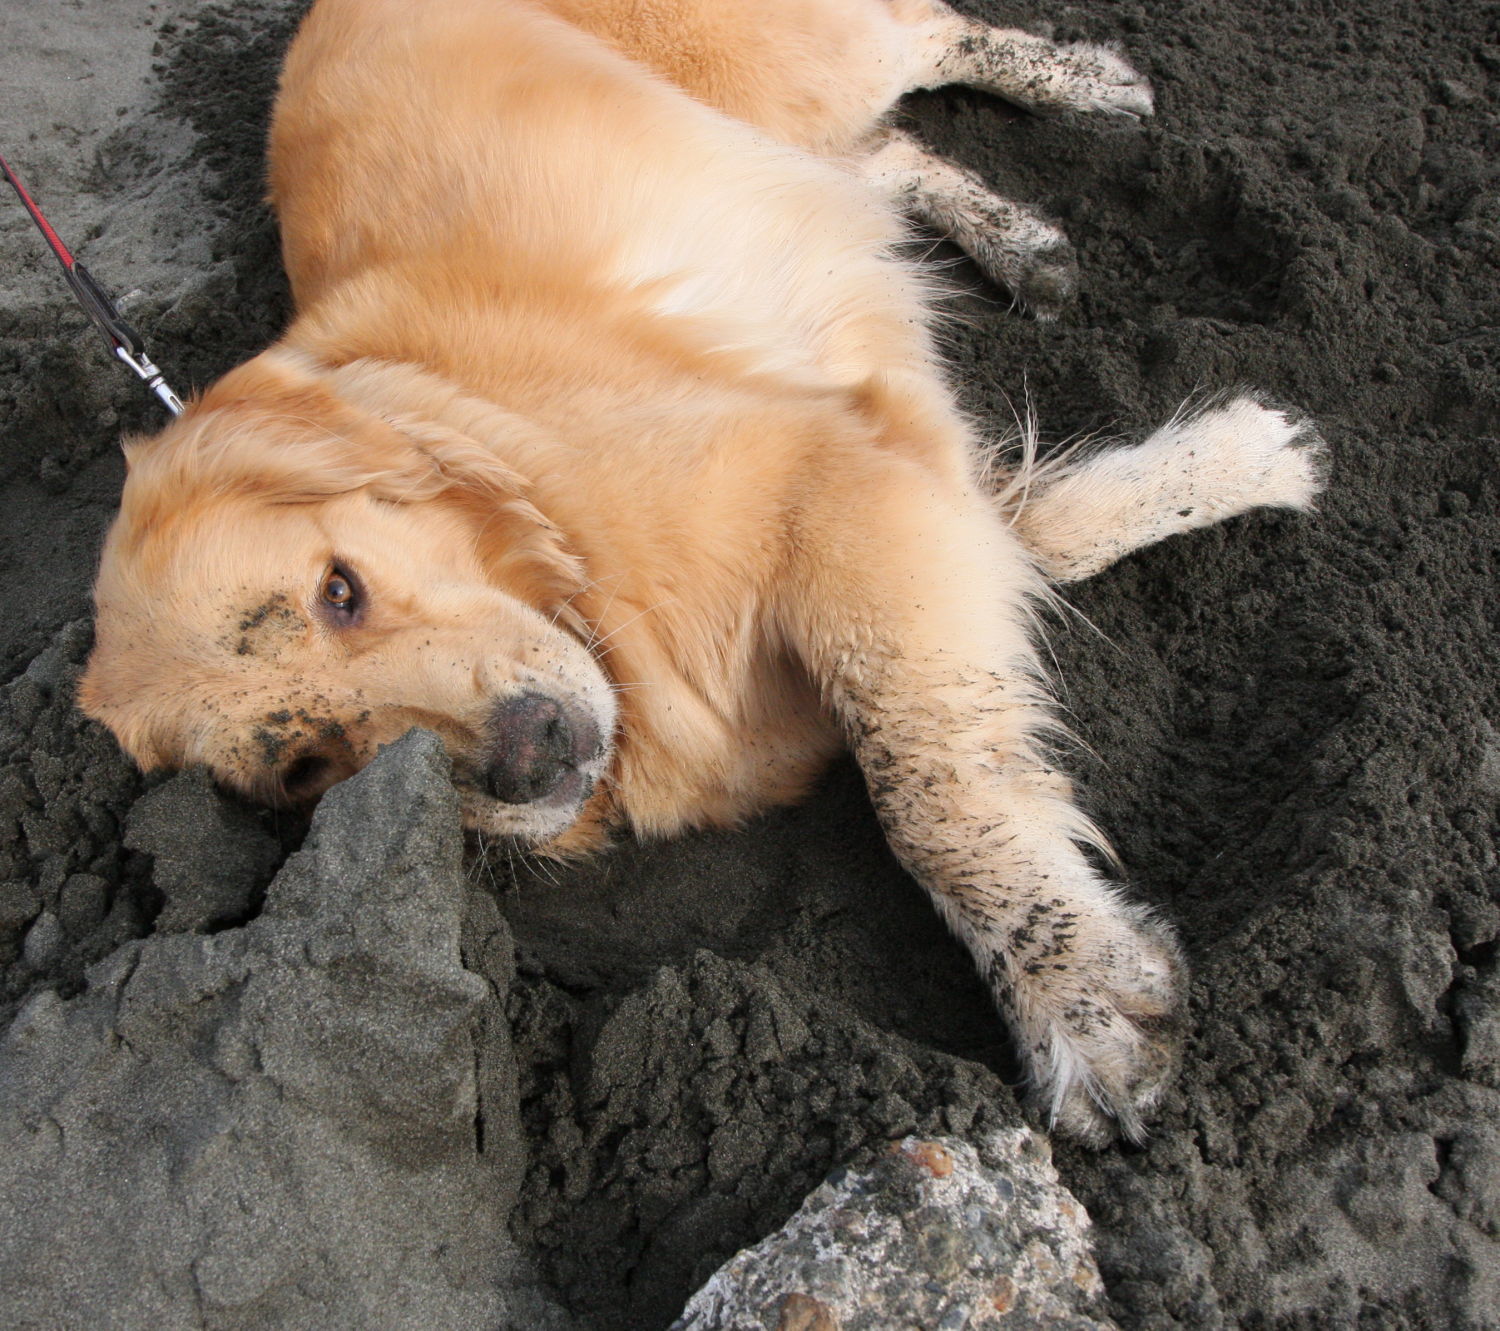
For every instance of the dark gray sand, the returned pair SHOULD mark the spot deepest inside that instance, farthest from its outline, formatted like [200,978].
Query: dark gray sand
[1293,722]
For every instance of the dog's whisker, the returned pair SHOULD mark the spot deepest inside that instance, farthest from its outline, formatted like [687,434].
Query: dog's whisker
[599,642]
[593,624]
[566,605]
[541,867]
[484,857]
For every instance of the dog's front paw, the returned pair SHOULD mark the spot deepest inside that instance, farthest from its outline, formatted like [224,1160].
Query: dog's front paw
[1101,1024]
[1095,78]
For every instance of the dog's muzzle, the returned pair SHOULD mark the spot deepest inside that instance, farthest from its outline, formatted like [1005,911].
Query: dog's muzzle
[538,748]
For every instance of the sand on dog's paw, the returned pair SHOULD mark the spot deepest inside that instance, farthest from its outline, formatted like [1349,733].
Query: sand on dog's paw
[1255,453]
[1099,79]
[1104,1034]
[1048,282]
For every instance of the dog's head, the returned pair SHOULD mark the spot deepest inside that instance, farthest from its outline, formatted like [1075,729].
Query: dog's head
[292,582]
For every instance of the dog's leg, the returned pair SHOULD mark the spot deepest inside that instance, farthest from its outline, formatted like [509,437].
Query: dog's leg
[1030,71]
[1016,247]
[1223,460]
[913,615]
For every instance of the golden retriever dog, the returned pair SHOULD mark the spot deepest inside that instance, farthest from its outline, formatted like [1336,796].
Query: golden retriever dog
[609,441]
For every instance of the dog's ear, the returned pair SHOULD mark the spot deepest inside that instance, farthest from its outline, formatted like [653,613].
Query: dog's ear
[274,431]
[525,552]
[271,429]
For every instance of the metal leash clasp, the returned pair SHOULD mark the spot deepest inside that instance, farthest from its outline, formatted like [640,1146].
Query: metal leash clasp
[155,381]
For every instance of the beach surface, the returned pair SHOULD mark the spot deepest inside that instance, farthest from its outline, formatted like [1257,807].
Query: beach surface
[1290,726]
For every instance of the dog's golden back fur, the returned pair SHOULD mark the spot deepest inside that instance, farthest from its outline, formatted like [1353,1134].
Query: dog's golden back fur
[597,293]
[505,149]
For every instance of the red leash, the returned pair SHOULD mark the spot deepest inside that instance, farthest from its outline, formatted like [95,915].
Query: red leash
[123,340]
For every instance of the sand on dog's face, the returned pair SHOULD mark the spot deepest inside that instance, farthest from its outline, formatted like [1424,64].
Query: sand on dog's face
[1294,718]
[235,662]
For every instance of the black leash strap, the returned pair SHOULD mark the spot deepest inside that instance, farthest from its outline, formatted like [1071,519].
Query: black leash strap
[97,303]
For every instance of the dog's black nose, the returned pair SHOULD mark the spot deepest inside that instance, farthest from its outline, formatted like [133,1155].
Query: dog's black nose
[533,749]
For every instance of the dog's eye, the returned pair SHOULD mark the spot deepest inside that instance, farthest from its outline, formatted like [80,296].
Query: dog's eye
[339,591]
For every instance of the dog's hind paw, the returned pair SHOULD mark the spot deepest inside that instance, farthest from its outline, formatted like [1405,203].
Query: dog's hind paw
[1095,78]
[1250,452]
[1046,282]
[1044,77]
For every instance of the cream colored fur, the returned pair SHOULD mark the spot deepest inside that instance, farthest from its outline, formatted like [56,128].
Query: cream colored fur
[605,384]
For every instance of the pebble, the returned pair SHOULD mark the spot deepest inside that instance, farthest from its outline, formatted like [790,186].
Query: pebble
[943,1234]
